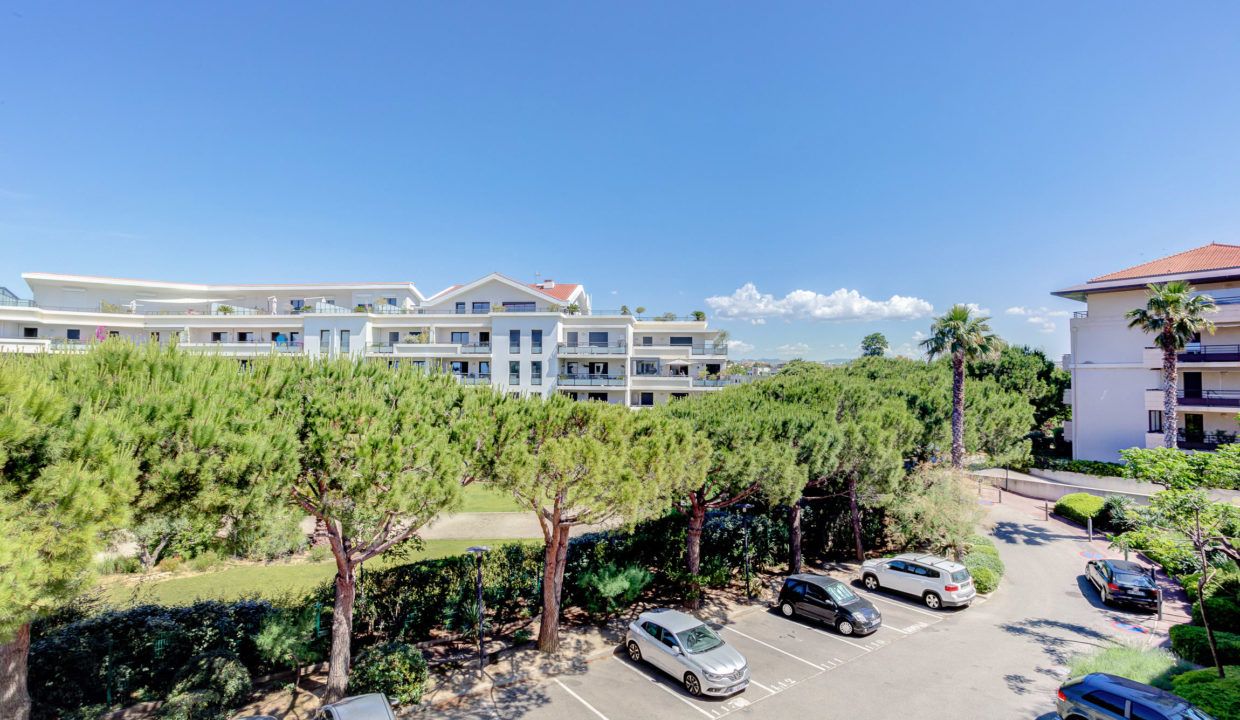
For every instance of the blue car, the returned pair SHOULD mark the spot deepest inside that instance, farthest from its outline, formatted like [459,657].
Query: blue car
[1099,696]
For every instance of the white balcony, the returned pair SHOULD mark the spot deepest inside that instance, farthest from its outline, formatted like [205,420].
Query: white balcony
[591,349]
[1067,396]
[1153,440]
[661,382]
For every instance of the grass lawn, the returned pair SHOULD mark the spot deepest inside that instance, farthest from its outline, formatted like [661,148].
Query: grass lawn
[231,583]
[479,497]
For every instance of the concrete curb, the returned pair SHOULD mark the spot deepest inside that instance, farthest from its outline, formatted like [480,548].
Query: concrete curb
[601,654]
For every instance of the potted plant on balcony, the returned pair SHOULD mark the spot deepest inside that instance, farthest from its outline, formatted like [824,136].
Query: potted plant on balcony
[573,309]
[641,310]
[699,315]
[225,310]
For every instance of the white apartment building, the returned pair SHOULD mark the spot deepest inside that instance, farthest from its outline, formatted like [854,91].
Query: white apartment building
[1116,394]
[527,338]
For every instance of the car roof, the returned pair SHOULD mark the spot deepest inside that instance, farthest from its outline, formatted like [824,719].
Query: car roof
[372,706]
[932,560]
[1126,566]
[670,620]
[823,580]
[1134,691]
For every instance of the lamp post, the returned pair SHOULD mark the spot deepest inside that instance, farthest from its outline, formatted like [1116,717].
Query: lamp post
[745,508]
[479,551]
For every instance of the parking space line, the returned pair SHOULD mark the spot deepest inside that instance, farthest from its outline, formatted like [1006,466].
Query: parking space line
[580,699]
[837,637]
[899,630]
[663,687]
[785,652]
[906,606]
[755,682]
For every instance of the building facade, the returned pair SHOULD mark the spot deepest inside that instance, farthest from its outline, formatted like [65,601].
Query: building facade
[525,338]
[1116,394]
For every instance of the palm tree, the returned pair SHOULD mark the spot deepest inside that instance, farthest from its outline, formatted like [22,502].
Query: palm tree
[964,337]
[1174,316]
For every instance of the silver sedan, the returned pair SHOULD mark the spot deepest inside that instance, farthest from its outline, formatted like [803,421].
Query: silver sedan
[685,648]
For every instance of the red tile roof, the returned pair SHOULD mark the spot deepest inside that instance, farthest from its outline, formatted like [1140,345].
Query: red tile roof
[1214,256]
[559,292]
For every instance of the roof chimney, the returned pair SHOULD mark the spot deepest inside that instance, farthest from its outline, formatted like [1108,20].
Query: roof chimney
[548,284]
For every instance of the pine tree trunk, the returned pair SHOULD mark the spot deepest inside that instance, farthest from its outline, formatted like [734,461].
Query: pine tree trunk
[794,539]
[554,558]
[14,655]
[693,552]
[342,637]
[855,509]
[1170,429]
[958,411]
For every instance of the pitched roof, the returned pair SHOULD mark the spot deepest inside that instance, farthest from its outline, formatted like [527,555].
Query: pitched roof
[559,292]
[1214,256]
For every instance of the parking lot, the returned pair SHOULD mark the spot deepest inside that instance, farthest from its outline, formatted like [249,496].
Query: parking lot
[1005,653]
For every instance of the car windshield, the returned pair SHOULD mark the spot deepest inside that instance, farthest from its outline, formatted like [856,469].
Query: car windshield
[841,594]
[699,639]
[1133,579]
[960,576]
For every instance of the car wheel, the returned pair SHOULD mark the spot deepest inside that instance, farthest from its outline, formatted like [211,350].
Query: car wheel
[692,685]
[870,582]
[635,653]
[844,627]
[1104,596]
[787,609]
[933,601]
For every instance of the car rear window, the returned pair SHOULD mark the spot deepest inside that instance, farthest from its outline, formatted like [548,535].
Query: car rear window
[1131,579]
[960,576]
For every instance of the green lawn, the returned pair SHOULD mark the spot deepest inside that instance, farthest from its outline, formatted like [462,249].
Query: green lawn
[266,580]
[484,498]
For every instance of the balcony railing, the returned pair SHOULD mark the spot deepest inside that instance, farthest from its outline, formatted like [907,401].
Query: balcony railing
[1207,398]
[1209,353]
[711,381]
[1080,314]
[694,349]
[592,348]
[475,378]
[478,347]
[610,380]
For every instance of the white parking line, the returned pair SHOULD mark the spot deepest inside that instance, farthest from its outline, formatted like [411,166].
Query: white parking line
[785,652]
[906,606]
[662,687]
[755,682]
[902,631]
[580,699]
[837,637]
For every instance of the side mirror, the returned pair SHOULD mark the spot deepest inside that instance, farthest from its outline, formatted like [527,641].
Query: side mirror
[678,650]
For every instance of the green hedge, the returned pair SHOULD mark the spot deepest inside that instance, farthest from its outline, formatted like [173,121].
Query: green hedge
[1223,613]
[1079,507]
[1087,467]
[394,669]
[1226,582]
[1218,696]
[985,566]
[1190,643]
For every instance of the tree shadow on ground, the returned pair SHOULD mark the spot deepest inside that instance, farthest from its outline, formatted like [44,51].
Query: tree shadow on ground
[1059,640]
[509,702]
[1014,533]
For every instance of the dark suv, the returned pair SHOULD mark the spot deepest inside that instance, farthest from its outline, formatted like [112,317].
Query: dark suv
[1100,697]
[830,601]
[1122,582]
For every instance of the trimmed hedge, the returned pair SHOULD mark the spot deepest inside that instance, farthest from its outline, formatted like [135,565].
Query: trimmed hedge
[1204,688]
[985,580]
[1087,467]
[395,669]
[985,566]
[1190,643]
[1223,613]
[1079,507]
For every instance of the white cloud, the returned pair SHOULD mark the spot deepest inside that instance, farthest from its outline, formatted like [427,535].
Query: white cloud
[911,349]
[739,346]
[793,349]
[843,305]
[613,292]
[977,309]
[1043,311]
[1044,325]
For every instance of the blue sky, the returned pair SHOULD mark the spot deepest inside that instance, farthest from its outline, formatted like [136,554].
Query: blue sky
[862,164]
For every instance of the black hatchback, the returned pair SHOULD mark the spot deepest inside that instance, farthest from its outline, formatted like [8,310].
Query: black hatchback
[1121,581]
[829,601]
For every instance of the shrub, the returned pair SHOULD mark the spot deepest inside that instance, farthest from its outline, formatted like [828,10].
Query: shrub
[1152,666]
[208,688]
[319,553]
[204,561]
[1079,507]
[171,564]
[976,541]
[610,589]
[1190,643]
[1225,582]
[1087,467]
[1204,688]
[986,560]
[985,580]
[114,565]
[267,538]
[395,669]
[1222,612]
[1118,513]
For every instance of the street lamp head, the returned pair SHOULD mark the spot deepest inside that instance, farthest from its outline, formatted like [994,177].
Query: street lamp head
[745,507]
[479,549]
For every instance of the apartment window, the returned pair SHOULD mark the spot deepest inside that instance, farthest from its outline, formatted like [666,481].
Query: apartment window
[1194,427]
[571,395]
[679,396]
[570,368]
[419,365]
[678,370]
[297,304]
[245,336]
[713,368]
[460,338]
[515,395]
[601,397]
[514,372]
[536,373]
[536,341]
[571,339]
[73,335]
[325,339]
[647,340]
[598,339]
[114,333]
[154,337]
[484,368]
[678,341]
[647,399]
[514,341]
[391,301]
[1156,421]
[484,338]
[219,337]
[30,332]
[460,308]
[294,337]
[459,367]
[482,308]
[519,306]
[598,368]
[393,337]
[344,341]
[645,367]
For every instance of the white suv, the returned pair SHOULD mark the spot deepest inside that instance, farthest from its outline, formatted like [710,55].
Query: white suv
[937,581]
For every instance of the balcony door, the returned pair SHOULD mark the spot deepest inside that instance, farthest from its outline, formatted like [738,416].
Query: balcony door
[1194,427]
[1192,385]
